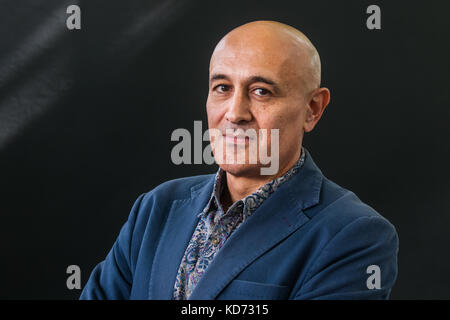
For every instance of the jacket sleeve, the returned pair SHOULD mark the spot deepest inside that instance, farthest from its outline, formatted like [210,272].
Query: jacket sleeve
[359,262]
[112,278]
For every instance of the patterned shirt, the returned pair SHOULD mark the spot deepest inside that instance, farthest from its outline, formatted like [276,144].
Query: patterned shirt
[215,227]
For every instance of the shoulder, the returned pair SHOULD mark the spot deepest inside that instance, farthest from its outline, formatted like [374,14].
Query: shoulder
[177,189]
[340,209]
[181,188]
[151,208]
[344,228]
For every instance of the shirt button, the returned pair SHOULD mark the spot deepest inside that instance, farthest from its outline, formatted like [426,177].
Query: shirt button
[215,241]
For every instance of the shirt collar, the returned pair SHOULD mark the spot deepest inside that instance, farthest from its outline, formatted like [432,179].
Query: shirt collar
[260,194]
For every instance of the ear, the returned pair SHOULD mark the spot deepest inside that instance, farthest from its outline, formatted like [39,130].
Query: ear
[315,108]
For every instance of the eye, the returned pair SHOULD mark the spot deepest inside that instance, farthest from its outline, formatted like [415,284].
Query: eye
[262,92]
[221,88]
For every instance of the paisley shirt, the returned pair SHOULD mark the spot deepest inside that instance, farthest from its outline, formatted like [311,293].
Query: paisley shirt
[215,227]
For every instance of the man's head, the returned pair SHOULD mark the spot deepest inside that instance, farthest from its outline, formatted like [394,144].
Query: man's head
[265,75]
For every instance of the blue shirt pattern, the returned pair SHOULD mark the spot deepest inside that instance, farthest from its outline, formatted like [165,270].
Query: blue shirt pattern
[215,227]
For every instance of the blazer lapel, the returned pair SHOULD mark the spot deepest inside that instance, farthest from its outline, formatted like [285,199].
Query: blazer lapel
[279,216]
[181,222]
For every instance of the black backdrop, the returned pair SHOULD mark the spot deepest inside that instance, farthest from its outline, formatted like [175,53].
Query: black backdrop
[86,117]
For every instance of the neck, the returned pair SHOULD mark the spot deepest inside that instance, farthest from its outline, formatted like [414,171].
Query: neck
[239,187]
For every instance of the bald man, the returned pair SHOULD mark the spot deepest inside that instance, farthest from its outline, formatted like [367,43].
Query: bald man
[247,232]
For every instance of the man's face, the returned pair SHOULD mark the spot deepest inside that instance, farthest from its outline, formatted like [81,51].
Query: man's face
[257,83]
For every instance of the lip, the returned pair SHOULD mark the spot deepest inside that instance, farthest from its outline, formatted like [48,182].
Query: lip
[236,139]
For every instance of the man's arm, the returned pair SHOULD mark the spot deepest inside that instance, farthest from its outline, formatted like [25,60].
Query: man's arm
[112,278]
[341,271]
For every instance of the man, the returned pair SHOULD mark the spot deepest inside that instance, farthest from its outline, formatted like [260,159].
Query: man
[241,234]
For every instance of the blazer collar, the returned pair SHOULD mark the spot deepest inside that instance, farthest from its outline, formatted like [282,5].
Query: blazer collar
[182,219]
[306,185]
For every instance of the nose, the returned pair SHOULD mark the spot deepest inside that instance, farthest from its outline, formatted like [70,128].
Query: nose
[238,109]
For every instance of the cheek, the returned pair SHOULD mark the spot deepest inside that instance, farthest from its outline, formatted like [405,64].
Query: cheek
[274,120]
[214,115]
[289,124]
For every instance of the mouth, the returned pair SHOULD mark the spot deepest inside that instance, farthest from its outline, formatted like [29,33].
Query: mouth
[236,139]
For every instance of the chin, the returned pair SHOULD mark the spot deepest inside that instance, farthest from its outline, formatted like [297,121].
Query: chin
[241,170]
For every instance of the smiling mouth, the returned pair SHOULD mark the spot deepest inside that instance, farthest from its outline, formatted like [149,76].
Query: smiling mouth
[238,139]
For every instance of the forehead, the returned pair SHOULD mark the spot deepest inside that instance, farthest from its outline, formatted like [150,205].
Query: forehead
[248,57]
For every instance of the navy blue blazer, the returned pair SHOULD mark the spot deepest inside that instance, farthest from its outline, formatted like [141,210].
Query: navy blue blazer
[311,239]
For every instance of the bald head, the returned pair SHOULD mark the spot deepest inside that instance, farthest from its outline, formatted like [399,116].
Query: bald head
[279,41]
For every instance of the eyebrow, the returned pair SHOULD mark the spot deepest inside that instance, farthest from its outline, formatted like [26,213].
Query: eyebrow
[220,76]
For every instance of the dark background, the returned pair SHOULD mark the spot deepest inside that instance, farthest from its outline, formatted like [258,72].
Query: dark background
[86,118]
